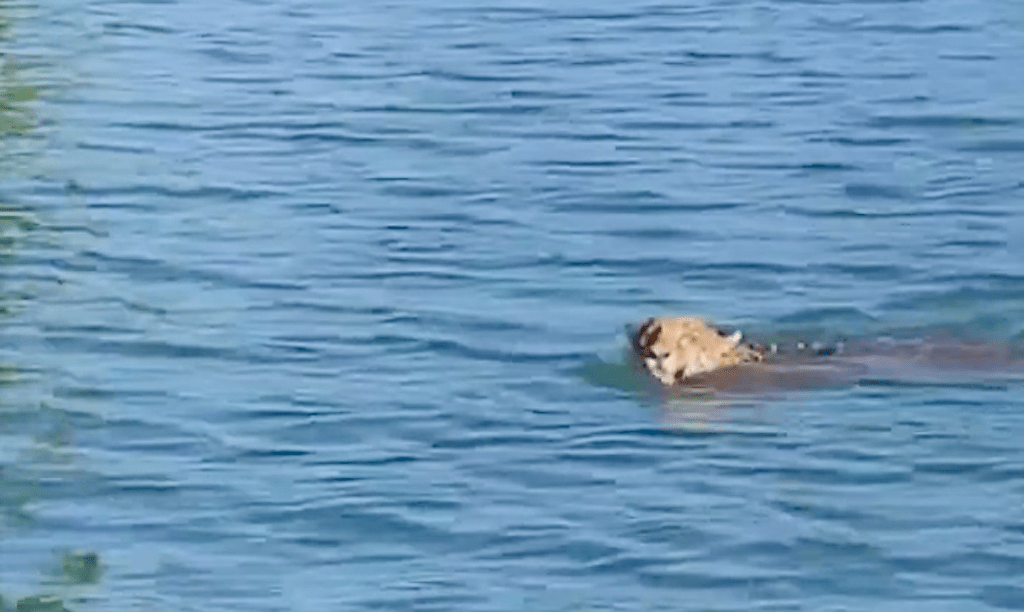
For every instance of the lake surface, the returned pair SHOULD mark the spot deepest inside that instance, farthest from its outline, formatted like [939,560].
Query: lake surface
[319,305]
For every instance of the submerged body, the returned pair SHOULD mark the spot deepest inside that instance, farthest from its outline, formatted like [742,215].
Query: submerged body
[687,353]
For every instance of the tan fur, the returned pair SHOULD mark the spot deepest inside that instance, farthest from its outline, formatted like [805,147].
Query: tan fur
[677,349]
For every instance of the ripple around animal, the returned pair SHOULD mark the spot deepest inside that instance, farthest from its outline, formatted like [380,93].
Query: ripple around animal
[320,305]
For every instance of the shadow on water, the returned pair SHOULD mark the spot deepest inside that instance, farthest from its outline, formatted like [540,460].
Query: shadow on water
[32,433]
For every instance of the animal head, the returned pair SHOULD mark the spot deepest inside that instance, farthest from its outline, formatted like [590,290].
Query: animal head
[674,349]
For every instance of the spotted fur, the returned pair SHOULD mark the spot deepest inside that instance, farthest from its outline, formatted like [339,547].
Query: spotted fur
[677,349]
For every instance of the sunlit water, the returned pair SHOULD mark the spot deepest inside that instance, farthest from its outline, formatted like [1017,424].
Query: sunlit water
[319,305]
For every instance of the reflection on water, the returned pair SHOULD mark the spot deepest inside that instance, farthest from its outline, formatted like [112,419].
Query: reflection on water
[300,290]
[34,437]
[15,116]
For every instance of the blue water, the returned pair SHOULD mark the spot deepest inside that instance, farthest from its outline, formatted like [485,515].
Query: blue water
[319,305]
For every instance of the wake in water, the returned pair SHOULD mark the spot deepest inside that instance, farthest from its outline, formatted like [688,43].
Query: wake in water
[786,365]
[702,403]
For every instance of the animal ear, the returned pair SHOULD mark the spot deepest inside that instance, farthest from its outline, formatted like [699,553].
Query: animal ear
[736,337]
[647,334]
[651,333]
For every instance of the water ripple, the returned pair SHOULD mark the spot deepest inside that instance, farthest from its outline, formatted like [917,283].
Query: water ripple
[312,290]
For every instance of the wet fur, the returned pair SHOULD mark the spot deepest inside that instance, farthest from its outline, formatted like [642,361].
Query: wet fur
[687,353]
[678,350]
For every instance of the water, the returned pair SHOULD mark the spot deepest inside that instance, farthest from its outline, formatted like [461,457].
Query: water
[302,303]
